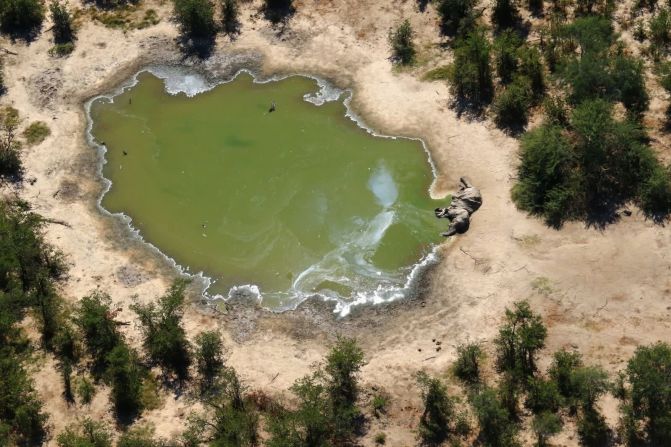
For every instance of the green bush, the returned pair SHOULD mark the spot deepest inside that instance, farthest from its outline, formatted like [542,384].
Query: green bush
[531,67]
[164,337]
[11,167]
[655,194]
[85,390]
[496,428]
[542,396]
[380,439]
[401,43]
[21,16]
[511,107]
[545,425]
[380,403]
[62,23]
[504,13]
[520,338]
[592,429]
[556,111]
[435,421]
[562,371]
[124,374]
[505,55]
[86,434]
[467,366]
[660,31]
[209,357]
[36,133]
[470,76]
[93,316]
[196,18]
[456,16]
[649,375]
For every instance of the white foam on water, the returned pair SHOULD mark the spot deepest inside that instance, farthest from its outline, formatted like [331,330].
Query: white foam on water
[384,188]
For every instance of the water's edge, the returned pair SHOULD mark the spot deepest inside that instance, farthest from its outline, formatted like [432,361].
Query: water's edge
[191,81]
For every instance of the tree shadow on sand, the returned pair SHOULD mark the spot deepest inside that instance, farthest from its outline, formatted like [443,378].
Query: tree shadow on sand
[200,47]
[278,12]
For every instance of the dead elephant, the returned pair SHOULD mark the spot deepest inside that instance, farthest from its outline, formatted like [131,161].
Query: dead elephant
[464,203]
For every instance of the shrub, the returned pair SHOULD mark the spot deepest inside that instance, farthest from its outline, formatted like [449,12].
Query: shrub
[562,372]
[380,439]
[164,337]
[531,68]
[438,410]
[542,396]
[343,364]
[94,318]
[36,133]
[230,12]
[380,403]
[62,49]
[196,18]
[125,376]
[11,167]
[467,366]
[209,357]
[655,194]
[495,425]
[21,16]
[229,420]
[85,390]
[505,51]
[505,13]
[556,111]
[86,434]
[520,338]
[62,27]
[471,77]
[590,383]
[456,16]
[660,30]
[139,437]
[437,74]
[545,425]
[401,43]
[649,375]
[511,107]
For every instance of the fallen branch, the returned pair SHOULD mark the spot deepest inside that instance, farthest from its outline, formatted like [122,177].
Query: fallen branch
[273,379]
[57,222]
[9,52]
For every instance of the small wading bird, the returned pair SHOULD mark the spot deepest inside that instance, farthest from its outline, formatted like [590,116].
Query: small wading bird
[272,107]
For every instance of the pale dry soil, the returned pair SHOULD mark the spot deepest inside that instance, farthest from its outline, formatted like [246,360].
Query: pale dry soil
[602,291]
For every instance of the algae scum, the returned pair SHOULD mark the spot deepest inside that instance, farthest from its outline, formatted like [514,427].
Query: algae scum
[296,202]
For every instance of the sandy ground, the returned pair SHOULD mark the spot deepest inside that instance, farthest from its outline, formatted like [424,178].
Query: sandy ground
[604,291]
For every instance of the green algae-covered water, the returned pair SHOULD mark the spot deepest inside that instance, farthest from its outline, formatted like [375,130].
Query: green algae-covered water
[295,202]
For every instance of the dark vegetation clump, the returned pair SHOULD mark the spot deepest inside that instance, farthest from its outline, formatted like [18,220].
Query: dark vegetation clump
[22,18]
[196,18]
[402,46]
[471,74]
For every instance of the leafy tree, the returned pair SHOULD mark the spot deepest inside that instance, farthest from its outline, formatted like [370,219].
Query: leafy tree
[520,338]
[591,382]
[402,46]
[511,107]
[467,366]
[230,12]
[196,18]
[164,337]
[562,371]
[125,373]
[470,76]
[209,357]
[505,13]
[496,429]
[21,16]
[11,167]
[545,425]
[655,193]
[62,19]
[434,424]
[649,375]
[309,424]
[86,434]
[139,437]
[343,363]
[543,396]
[94,317]
[456,16]
[506,47]
[531,67]
[229,421]
[20,409]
